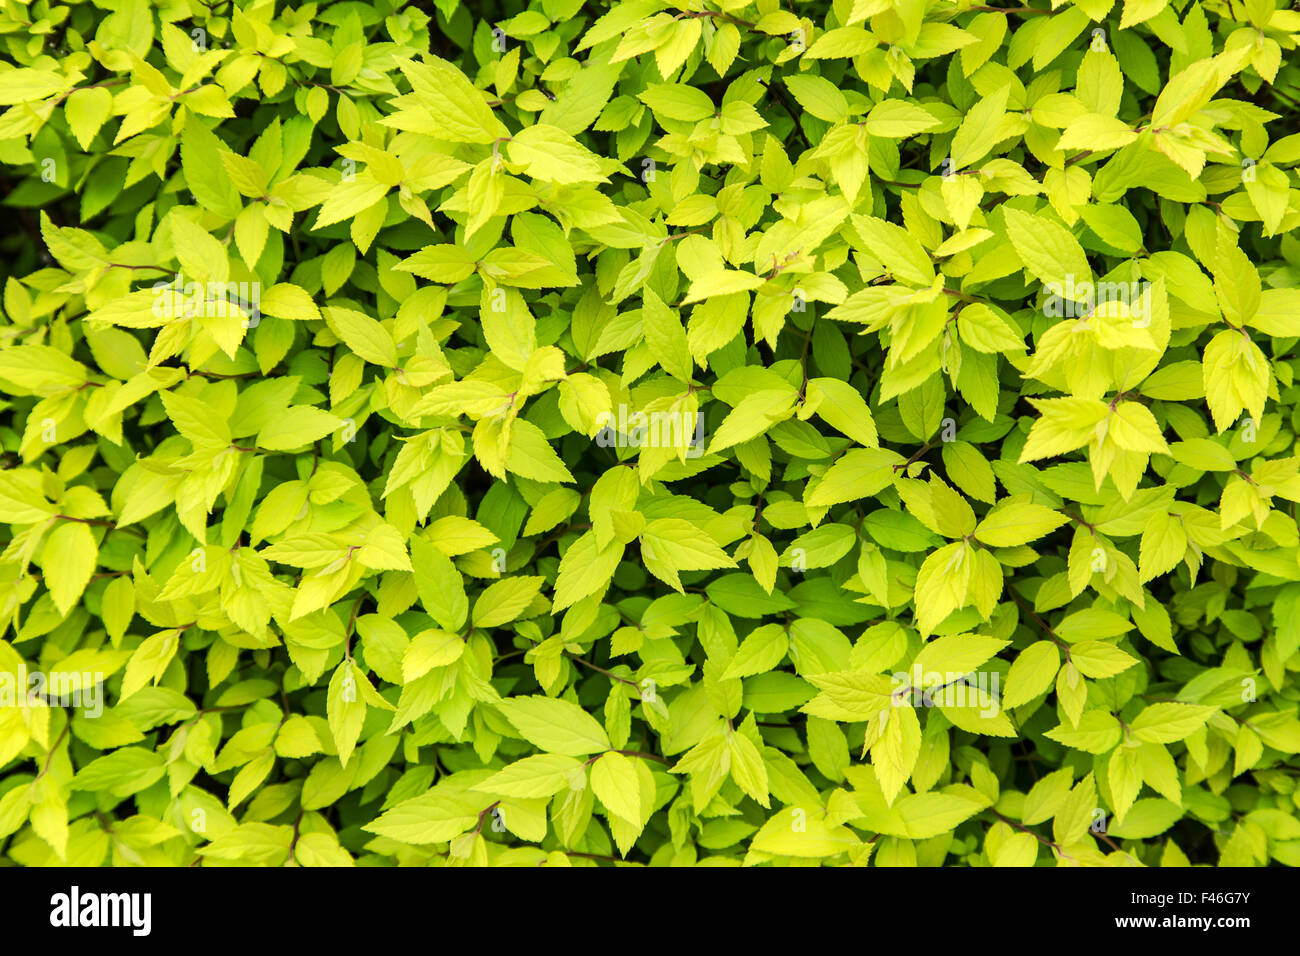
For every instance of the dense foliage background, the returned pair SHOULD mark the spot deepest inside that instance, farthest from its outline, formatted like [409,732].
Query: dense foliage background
[723,433]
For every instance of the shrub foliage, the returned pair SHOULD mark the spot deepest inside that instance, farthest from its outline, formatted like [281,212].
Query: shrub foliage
[683,433]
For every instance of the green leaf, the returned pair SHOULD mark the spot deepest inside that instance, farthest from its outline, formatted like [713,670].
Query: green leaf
[818,96]
[553,155]
[802,832]
[346,708]
[1012,523]
[860,473]
[1167,723]
[122,772]
[1048,251]
[363,335]
[453,108]
[555,726]
[615,784]
[504,601]
[1032,673]
[435,817]
[538,776]
[68,561]
[669,545]
[981,129]
[760,651]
